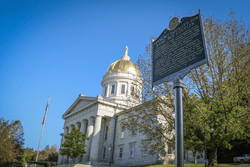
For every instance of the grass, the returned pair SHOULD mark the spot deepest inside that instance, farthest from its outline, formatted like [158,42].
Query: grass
[188,165]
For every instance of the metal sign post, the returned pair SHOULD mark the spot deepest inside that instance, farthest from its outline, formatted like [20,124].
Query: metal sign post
[179,137]
[174,53]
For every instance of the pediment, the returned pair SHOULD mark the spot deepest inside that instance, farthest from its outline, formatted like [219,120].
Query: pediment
[79,103]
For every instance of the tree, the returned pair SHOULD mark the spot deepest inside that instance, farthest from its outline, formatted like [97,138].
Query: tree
[29,153]
[221,88]
[216,96]
[192,140]
[47,154]
[52,153]
[74,144]
[53,157]
[11,143]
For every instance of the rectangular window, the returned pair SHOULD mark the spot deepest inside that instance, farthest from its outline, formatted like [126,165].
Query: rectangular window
[112,89]
[106,133]
[122,133]
[120,153]
[132,151]
[104,152]
[105,91]
[123,89]
[132,91]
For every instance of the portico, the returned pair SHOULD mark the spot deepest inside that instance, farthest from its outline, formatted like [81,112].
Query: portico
[89,118]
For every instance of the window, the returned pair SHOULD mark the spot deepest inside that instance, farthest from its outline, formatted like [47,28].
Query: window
[132,91]
[105,91]
[123,89]
[120,150]
[120,153]
[112,89]
[104,152]
[132,151]
[122,132]
[106,133]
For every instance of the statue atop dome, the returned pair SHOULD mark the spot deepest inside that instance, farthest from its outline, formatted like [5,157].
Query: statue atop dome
[126,51]
[126,57]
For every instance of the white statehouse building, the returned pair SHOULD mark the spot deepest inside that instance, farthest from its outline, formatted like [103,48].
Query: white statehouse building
[100,119]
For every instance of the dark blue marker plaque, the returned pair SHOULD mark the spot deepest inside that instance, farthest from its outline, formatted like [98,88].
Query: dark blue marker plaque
[175,52]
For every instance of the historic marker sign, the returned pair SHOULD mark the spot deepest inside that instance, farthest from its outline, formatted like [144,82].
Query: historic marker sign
[175,52]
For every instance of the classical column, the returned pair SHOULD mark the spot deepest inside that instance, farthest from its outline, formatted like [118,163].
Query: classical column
[96,138]
[60,157]
[112,137]
[70,129]
[65,158]
[83,126]
[89,134]
[83,130]
[77,125]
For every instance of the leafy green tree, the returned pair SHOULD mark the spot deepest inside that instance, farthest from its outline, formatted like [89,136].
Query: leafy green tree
[29,154]
[52,153]
[47,154]
[53,157]
[73,146]
[192,141]
[11,143]
[222,87]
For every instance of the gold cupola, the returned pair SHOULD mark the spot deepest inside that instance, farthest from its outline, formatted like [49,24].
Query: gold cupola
[124,65]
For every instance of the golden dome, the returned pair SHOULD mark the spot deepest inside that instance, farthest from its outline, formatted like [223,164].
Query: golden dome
[124,65]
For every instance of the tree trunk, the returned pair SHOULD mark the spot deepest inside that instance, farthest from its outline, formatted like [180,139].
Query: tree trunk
[195,157]
[212,157]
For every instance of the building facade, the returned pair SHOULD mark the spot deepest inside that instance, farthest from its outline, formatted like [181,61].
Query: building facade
[100,119]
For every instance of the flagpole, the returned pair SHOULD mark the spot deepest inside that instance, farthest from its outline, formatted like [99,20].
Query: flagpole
[42,130]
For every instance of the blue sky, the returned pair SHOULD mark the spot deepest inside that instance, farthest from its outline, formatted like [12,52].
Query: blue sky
[63,48]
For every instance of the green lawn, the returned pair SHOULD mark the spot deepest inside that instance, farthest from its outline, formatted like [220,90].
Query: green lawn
[187,165]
